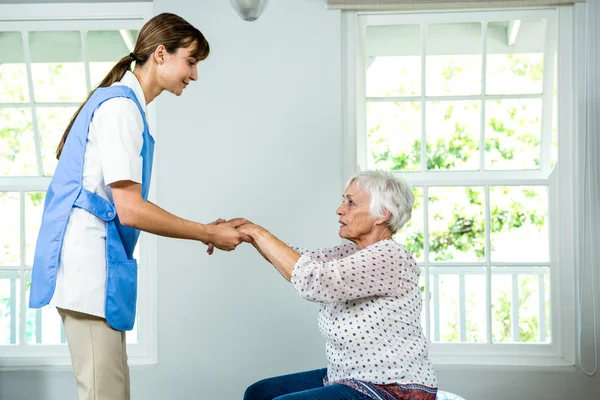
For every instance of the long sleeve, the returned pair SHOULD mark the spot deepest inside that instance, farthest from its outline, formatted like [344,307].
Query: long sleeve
[382,269]
[333,253]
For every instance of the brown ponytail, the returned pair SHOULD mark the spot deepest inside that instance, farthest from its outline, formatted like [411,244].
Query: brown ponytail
[167,29]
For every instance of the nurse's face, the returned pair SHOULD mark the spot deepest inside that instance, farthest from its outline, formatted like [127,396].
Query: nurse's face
[178,70]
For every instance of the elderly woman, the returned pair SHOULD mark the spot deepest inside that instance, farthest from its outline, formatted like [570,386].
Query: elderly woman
[370,301]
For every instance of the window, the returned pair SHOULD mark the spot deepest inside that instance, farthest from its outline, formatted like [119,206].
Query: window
[464,106]
[53,57]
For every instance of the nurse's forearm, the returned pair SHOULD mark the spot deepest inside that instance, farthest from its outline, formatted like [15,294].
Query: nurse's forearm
[149,217]
[137,213]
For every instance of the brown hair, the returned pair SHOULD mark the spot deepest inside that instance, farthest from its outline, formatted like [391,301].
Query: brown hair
[167,29]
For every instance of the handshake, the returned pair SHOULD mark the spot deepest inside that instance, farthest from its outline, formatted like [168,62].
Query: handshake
[227,235]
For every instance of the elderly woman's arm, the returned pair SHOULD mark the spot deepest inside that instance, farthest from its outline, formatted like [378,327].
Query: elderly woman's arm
[382,269]
[333,253]
[282,256]
[268,245]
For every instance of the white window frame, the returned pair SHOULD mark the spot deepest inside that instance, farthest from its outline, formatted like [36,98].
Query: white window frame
[561,350]
[81,17]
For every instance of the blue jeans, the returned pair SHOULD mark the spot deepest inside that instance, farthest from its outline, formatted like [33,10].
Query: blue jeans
[301,386]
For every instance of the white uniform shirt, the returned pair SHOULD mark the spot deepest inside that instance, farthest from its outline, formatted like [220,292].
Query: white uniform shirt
[112,154]
[370,312]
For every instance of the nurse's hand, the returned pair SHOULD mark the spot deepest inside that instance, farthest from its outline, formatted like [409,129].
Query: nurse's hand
[211,247]
[225,236]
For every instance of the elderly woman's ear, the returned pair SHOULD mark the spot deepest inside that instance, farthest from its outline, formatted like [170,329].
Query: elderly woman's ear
[386,217]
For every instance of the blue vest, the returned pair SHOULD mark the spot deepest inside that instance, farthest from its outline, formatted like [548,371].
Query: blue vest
[64,193]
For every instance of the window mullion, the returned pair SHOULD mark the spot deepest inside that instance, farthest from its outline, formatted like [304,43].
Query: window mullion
[38,326]
[462,307]
[22,287]
[423,95]
[542,306]
[548,94]
[362,147]
[36,133]
[488,268]
[436,306]
[13,308]
[86,64]
[514,307]
[483,90]
[426,258]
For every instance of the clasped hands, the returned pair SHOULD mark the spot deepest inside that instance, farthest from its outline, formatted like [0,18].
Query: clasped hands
[227,235]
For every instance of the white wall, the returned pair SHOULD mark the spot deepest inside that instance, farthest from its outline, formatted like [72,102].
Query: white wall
[259,136]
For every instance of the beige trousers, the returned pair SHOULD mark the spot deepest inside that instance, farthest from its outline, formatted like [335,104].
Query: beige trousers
[98,355]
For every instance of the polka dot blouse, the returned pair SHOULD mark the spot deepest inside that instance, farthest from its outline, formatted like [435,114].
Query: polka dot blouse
[370,312]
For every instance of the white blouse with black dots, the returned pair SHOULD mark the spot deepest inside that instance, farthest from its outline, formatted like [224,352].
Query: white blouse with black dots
[370,312]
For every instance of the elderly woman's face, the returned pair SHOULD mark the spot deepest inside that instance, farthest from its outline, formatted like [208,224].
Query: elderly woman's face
[355,219]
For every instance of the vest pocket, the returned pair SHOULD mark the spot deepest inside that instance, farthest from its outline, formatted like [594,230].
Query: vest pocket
[121,294]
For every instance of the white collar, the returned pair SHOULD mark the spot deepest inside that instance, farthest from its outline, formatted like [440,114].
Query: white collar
[130,80]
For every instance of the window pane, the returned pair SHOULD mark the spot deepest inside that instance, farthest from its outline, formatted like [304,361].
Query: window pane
[9,306]
[448,303]
[98,71]
[34,207]
[529,308]
[394,136]
[44,325]
[453,59]
[528,289]
[501,307]
[12,44]
[475,292]
[453,135]
[13,73]
[513,129]
[10,233]
[456,224]
[52,123]
[449,306]
[515,60]
[17,148]
[104,49]
[13,83]
[57,66]
[519,217]
[394,77]
[411,235]
[393,60]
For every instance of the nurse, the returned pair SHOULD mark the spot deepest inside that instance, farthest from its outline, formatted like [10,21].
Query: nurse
[96,206]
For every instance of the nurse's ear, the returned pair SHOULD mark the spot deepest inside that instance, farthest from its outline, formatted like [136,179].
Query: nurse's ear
[160,54]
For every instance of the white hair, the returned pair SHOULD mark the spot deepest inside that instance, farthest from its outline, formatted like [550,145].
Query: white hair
[386,192]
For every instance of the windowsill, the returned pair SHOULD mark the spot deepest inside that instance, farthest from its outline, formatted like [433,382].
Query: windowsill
[64,364]
[505,368]
[438,367]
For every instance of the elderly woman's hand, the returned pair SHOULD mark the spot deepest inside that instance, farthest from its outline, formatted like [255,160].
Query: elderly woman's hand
[251,230]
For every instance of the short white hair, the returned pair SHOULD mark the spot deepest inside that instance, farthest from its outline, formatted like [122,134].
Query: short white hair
[386,192]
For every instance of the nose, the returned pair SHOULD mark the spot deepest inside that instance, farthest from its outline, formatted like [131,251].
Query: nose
[194,74]
[340,210]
